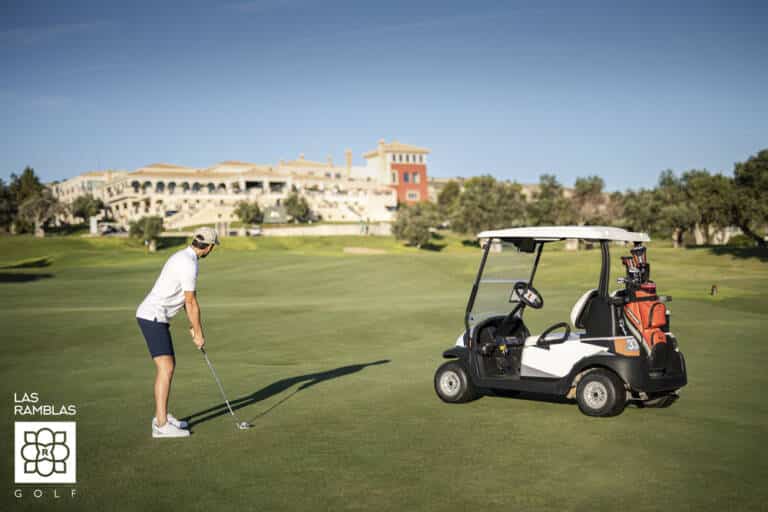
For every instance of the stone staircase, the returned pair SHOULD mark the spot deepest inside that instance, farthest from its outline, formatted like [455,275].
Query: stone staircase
[207,215]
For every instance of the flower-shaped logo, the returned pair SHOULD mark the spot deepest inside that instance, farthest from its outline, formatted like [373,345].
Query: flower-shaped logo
[45,452]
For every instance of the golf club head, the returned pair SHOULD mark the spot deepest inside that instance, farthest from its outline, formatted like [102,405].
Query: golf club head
[244,425]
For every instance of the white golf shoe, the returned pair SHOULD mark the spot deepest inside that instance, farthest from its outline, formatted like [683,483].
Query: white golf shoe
[168,430]
[173,421]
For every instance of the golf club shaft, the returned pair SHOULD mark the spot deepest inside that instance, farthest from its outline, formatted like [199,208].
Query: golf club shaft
[216,377]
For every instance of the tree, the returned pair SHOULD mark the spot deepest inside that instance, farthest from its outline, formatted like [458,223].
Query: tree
[487,204]
[674,213]
[39,209]
[589,202]
[296,206]
[86,206]
[549,205]
[249,212]
[447,198]
[7,207]
[711,198]
[21,188]
[614,209]
[413,223]
[147,229]
[749,209]
[640,210]
[25,186]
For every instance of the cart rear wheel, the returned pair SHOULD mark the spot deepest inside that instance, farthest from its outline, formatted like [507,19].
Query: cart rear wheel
[601,393]
[453,385]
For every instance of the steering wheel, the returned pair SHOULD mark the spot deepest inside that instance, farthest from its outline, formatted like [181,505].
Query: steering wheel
[528,295]
[543,342]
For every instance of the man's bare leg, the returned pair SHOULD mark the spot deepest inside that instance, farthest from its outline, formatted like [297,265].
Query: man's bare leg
[165,366]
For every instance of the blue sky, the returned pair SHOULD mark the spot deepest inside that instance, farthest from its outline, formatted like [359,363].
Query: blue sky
[513,89]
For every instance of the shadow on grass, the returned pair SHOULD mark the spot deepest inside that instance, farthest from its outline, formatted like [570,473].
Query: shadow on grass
[67,229]
[470,243]
[429,246]
[659,403]
[30,263]
[534,397]
[7,277]
[760,253]
[275,388]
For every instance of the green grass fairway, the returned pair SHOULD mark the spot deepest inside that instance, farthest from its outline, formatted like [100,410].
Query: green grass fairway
[331,356]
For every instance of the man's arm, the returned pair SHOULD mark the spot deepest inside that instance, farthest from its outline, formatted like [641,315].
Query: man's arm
[193,314]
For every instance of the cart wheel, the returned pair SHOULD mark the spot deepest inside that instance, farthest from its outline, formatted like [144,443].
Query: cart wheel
[452,384]
[601,393]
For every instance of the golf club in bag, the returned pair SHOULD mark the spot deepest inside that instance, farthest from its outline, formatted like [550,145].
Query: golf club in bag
[242,425]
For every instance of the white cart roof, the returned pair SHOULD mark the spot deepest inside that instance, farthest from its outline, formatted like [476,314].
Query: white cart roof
[561,232]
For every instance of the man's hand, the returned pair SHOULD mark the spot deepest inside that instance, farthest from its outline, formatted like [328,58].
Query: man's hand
[193,313]
[199,340]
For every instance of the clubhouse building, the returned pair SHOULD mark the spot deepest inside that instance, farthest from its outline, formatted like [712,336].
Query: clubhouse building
[184,196]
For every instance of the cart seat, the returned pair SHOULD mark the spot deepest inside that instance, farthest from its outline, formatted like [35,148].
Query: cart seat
[581,306]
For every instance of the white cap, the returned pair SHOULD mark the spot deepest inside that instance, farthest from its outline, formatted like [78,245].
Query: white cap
[206,235]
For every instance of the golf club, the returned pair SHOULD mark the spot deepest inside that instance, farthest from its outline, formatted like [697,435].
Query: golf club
[242,425]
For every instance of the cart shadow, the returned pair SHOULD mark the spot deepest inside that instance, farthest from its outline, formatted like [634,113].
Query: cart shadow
[276,388]
[533,397]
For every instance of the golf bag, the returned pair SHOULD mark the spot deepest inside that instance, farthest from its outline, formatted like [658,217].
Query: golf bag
[647,315]
[644,310]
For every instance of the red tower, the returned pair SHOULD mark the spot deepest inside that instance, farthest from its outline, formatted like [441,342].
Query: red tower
[402,166]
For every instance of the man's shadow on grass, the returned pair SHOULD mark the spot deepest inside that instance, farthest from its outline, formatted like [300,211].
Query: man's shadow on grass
[12,277]
[275,388]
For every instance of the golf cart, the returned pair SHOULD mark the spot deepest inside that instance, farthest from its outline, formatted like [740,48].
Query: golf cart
[617,346]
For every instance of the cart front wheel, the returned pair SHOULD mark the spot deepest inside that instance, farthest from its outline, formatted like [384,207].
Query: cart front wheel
[452,384]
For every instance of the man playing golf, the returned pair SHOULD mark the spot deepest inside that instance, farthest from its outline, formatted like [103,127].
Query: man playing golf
[173,290]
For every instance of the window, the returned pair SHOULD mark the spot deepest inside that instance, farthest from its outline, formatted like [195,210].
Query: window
[421,159]
[408,158]
[394,177]
[416,178]
[405,177]
[413,195]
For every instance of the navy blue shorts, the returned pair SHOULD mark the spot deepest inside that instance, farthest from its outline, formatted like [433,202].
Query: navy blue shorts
[158,336]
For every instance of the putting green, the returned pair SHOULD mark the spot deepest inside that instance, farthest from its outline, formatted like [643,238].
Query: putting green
[331,356]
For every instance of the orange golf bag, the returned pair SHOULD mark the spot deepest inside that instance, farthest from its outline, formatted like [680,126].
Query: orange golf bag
[647,314]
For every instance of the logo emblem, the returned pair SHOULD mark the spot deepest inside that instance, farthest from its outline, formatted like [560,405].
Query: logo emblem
[45,452]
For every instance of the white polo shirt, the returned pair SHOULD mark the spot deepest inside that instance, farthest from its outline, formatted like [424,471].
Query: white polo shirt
[166,298]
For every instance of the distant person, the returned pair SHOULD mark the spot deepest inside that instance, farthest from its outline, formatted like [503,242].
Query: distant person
[173,290]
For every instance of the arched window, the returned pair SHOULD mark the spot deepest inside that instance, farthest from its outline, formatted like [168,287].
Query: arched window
[185,187]
[146,186]
[171,187]
[159,187]
[416,178]
[405,177]
[222,188]
[196,187]
[211,188]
